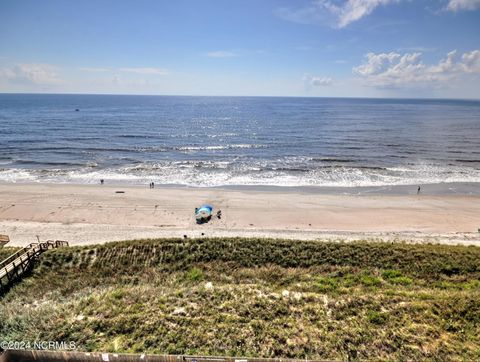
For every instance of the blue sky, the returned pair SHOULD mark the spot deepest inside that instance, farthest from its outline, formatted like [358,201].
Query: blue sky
[341,48]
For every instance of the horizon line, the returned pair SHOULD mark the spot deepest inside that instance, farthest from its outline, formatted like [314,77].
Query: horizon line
[238,96]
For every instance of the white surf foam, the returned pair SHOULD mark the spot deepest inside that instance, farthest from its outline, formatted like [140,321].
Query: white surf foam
[210,174]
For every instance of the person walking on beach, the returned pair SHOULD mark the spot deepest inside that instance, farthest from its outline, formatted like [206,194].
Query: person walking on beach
[418,190]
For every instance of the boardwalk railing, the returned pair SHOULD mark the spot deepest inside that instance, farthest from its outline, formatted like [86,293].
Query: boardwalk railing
[17,264]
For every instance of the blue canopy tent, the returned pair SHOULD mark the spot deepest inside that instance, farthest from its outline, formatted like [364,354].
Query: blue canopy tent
[204,213]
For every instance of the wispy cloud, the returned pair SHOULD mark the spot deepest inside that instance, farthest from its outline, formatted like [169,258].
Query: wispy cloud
[406,70]
[221,54]
[31,73]
[316,12]
[145,70]
[354,10]
[93,69]
[137,70]
[330,12]
[459,5]
[317,81]
[417,49]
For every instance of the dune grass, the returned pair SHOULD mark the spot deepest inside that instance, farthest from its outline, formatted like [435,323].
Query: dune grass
[254,297]
[5,252]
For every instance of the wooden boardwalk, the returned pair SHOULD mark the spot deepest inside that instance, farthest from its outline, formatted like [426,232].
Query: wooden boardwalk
[12,268]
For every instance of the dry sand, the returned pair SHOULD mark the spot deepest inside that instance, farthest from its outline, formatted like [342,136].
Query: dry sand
[85,214]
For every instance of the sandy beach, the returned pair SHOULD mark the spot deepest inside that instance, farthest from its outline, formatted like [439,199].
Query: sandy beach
[85,214]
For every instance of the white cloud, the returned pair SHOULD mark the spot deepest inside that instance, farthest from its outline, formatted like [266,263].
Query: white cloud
[328,12]
[145,70]
[221,54]
[316,81]
[32,73]
[458,5]
[354,10]
[403,70]
[471,61]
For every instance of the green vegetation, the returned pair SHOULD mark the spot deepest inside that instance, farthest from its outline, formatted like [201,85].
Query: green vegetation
[254,297]
[195,275]
[5,252]
[377,317]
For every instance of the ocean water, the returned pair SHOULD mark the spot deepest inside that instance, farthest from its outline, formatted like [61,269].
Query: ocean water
[238,141]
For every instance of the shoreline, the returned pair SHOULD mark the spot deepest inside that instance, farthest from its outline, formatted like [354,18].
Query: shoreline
[89,214]
[431,189]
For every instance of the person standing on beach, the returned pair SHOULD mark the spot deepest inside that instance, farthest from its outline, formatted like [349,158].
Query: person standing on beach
[418,190]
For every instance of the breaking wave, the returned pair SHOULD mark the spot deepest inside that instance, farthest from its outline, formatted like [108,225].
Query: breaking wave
[222,173]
